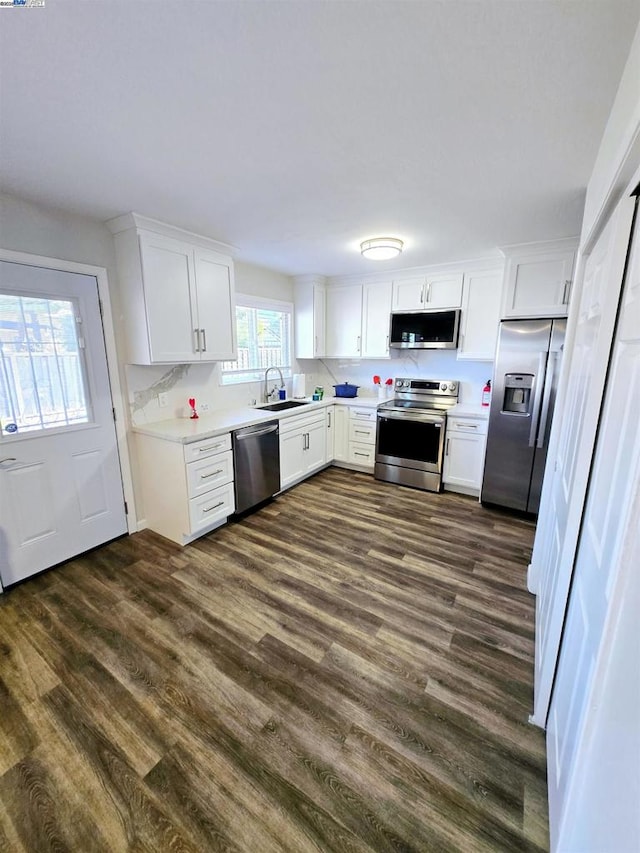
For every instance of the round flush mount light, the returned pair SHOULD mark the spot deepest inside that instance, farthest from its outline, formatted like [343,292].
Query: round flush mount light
[381,248]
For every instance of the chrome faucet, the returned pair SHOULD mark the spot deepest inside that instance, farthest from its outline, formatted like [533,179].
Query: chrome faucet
[267,393]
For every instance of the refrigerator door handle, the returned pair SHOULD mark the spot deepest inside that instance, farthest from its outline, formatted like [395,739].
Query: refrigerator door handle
[546,398]
[535,416]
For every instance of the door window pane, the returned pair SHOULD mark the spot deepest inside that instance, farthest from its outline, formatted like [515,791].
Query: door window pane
[42,377]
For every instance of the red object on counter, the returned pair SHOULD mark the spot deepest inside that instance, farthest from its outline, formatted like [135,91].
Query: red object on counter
[192,403]
[486,393]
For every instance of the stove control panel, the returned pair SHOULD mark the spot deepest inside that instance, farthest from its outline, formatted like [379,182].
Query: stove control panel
[440,387]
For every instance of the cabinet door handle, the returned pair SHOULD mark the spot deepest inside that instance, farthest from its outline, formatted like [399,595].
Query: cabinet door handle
[358,344]
[566,292]
[212,474]
[196,334]
[215,506]
[446,452]
[316,346]
[422,295]
[8,459]
[328,420]
[210,447]
[386,346]
[429,292]
[204,340]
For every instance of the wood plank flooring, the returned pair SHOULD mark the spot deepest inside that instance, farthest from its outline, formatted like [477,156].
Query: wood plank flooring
[347,669]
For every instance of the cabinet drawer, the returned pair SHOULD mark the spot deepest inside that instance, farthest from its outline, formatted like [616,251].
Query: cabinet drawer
[362,454]
[362,415]
[302,423]
[361,432]
[471,426]
[214,506]
[208,473]
[207,447]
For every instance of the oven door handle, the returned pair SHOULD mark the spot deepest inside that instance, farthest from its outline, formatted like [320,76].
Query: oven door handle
[410,416]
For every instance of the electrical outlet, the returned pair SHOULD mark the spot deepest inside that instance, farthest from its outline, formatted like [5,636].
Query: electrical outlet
[204,407]
[163,399]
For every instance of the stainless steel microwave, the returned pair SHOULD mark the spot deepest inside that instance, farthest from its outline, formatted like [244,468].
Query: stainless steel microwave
[424,329]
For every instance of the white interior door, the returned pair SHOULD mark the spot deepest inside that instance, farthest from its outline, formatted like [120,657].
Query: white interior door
[583,666]
[60,480]
[563,502]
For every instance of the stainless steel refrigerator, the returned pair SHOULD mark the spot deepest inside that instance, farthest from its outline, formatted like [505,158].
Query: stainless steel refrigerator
[523,395]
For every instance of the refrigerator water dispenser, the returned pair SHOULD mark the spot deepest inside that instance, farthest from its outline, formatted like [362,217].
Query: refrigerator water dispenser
[517,393]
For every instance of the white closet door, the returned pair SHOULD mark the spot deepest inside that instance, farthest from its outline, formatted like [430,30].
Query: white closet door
[563,502]
[595,604]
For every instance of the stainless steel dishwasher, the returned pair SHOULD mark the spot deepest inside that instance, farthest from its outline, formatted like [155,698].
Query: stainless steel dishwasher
[256,462]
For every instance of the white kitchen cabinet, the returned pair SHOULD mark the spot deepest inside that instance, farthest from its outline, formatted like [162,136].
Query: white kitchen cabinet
[436,290]
[480,316]
[187,489]
[464,454]
[344,321]
[303,446]
[357,320]
[309,316]
[362,437]
[376,311]
[177,294]
[538,279]
[341,434]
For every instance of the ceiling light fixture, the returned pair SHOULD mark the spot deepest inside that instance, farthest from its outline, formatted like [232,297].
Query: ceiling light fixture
[381,248]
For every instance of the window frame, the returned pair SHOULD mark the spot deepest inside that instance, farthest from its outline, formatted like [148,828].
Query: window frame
[245,300]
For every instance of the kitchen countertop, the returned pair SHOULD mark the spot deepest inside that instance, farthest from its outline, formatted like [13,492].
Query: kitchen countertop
[469,410]
[185,430]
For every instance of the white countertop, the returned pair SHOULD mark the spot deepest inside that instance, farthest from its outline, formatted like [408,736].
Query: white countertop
[469,410]
[185,430]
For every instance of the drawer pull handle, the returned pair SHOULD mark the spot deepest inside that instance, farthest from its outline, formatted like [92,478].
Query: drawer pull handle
[361,454]
[365,417]
[466,426]
[210,447]
[212,474]
[215,506]
[362,431]
[8,459]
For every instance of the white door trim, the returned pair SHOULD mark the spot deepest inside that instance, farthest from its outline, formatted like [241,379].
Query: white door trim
[117,398]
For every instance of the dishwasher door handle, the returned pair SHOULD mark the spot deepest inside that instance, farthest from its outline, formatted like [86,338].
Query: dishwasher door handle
[240,435]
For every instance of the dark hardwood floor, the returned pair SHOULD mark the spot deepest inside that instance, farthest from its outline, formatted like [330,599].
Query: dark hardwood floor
[347,669]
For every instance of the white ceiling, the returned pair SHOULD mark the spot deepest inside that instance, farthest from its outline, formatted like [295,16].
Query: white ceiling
[294,130]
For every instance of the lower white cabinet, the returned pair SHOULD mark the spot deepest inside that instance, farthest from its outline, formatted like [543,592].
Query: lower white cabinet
[464,454]
[187,489]
[340,434]
[303,446]
[360,438]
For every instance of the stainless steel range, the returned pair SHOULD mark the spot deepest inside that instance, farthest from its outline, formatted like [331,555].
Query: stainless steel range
[411,432]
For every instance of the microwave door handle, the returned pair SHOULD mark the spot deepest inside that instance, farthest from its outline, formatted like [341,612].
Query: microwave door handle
[537,397]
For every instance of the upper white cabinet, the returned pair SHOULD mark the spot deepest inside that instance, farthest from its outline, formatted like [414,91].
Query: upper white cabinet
[480,316]
[177,294]
[357,320]
[538,278]
[310,298]
[437,290]
[376,309]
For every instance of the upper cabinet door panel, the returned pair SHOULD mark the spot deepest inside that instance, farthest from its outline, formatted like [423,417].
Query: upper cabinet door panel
[376,308]
[344,321]
[539,285]
[443,291]
[408,294]
[216,306]
[481,301]
[169,297]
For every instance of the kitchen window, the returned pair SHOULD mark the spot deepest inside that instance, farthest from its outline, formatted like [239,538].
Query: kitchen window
[263,328]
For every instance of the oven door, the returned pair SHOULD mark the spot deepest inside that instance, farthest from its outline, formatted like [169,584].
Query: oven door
[410,440]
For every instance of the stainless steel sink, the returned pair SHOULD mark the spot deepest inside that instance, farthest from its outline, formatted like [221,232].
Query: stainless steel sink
[285,404]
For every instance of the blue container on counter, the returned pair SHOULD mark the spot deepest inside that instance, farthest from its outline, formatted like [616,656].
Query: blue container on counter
[346,390]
